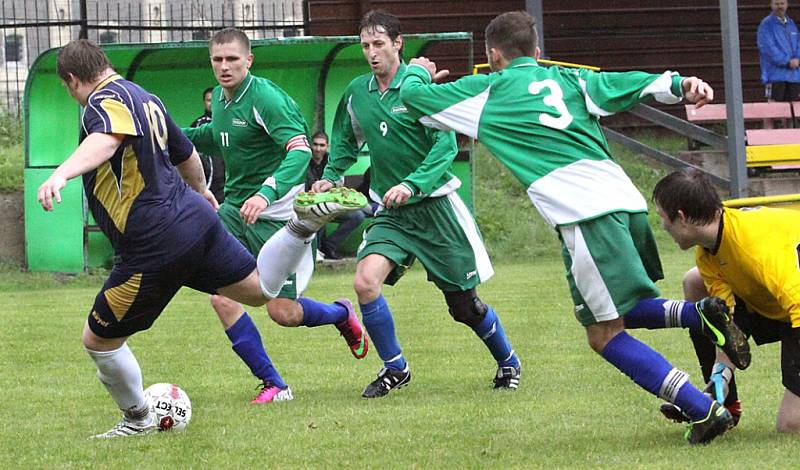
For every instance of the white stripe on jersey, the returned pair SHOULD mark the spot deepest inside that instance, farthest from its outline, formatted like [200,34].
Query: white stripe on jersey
[595,187]
[463,117]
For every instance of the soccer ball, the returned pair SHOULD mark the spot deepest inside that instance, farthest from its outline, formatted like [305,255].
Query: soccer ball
[171,405]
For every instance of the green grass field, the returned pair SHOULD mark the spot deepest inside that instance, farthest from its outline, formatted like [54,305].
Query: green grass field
[572,409]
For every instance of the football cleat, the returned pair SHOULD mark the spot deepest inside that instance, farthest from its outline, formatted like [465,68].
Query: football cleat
[716,423]
[270,393]
[388,380]
[507,377]
[718,326]
[674,413]
[352,331]
[131,427]
[321,208]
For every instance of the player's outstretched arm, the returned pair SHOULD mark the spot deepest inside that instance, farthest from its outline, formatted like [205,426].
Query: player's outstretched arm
[95,149]
[697,91]
[191,171]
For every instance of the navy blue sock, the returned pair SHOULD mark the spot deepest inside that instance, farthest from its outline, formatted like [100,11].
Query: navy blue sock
[247,344]
[377,319]
[317,313]
[655,374]
[491,332]
[662,313]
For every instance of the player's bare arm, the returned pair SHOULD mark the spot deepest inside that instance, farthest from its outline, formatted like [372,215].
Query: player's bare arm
[93,151]
[697,91]
[191,171]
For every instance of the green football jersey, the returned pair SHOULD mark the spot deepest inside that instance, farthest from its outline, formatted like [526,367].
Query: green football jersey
[543,124]
[263,139]
[401,149]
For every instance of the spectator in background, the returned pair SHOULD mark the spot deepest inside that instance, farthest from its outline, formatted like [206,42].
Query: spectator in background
[779,55]
[213,165]
[328,245]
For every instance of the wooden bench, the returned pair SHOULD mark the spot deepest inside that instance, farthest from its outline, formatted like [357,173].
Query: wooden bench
[751,112]
[775,148]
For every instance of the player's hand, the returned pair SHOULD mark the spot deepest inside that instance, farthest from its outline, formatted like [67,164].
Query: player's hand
[430,66]
[51,189]
[252,208]
[209,196]
[396,196]
[794,63]
[697,91]
[717,385]
[321,186]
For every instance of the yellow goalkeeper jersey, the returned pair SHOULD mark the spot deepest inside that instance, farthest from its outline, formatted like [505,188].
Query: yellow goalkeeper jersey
[757,260]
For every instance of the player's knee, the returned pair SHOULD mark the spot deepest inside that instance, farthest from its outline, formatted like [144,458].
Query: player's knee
[600,334]
[788,426]
[465,307]
[285,312]
[367,288]
[693,287]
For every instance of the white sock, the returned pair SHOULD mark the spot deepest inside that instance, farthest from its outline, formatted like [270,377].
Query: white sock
[278,259]
[119,371]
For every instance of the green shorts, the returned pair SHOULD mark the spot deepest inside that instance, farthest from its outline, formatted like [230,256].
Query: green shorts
[438,231]
[253,238]
[612,263]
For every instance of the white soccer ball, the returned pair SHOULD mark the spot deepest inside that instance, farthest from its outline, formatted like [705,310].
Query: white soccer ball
[171,405]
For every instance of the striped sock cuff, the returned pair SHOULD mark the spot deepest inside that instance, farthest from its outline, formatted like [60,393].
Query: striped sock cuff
[672,384]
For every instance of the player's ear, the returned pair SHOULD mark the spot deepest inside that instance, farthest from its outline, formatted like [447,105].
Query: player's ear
[398,42]
[249,60]
[537,53]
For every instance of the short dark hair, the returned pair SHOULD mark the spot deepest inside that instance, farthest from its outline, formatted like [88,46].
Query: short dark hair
[83,59]
[690,191]
[207,91]
[375,19]
[320,134]
[228,35]
[514,34]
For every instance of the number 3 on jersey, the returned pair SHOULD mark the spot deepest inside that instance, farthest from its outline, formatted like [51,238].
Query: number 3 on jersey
[554,100]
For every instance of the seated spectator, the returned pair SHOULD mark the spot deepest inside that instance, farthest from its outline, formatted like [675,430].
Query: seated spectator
[213,165]
[329,244]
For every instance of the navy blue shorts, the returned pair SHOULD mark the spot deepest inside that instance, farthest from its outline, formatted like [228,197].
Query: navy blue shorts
[130,301]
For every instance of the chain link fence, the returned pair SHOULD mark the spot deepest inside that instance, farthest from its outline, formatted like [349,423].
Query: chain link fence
[28,27]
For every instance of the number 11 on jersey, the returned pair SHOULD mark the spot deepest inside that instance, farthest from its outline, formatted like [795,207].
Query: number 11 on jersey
[225,138]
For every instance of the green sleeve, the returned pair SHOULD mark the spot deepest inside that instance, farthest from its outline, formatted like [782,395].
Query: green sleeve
[203,139]
[607,93]
[456,105]
[436,163]
[345,144]
[281,119]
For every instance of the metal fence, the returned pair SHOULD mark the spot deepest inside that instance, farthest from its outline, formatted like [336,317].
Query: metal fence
[28,27]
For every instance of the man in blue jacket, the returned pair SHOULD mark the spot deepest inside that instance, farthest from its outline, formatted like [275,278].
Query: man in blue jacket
[779,55]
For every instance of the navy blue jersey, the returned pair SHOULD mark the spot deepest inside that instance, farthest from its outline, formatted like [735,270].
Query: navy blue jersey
[137,197]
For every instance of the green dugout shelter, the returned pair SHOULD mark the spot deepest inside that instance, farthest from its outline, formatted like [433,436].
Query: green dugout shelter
[313,70]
